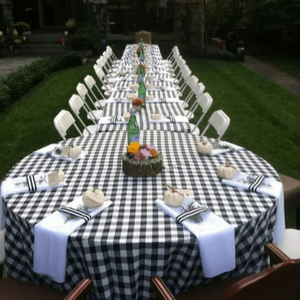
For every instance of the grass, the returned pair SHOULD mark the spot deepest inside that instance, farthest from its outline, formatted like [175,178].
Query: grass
[28,124]
[264,116]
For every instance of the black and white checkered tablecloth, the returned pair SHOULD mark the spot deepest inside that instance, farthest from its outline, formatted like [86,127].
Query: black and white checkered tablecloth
[132,240]
[164,95]
[143,117]
[157,85]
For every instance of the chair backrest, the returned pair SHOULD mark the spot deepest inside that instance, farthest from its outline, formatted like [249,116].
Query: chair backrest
[76,104]
[198,89]
[204,101]
[278,282]
[146,36]
[63,121]
[220,121]
[192,81]
[81,90]
[89,81]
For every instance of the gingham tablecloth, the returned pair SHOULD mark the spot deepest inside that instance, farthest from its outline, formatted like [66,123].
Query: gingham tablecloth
[143,117]
[132,240]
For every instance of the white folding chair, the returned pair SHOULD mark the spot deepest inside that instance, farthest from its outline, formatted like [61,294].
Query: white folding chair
[91,83]
[191,83]
[100,74]
[220,121]
[107,77]
[63,121]
[76,104]
[93,115]
[204,103]
[197,89]
[108,48]
[185,73]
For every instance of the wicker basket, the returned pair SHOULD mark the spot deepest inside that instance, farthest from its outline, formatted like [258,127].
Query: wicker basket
[148,168]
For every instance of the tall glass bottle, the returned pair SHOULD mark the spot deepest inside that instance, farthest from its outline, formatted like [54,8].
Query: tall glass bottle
[142,92]
[140,73]
[133,131]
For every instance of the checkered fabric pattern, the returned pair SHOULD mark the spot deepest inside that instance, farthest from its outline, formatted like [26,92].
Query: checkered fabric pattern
[132,240]
[143,117]
[119,85]
[163,95]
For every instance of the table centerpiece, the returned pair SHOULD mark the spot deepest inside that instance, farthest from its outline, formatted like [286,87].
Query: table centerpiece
[141,160]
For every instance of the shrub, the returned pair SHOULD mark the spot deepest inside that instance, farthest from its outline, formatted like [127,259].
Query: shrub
[4,96]
[15,84]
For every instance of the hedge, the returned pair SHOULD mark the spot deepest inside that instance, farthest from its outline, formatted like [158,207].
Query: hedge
[17,83]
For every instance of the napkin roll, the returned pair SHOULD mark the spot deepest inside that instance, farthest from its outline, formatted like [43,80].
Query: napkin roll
[187,214]
[258,181]
[76,213]
[32,187]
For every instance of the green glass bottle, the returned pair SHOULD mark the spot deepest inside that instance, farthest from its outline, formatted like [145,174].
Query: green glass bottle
[142,92]
[133,131]
[140,73]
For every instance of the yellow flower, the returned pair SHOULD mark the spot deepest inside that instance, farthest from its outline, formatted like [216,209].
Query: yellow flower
[134,147]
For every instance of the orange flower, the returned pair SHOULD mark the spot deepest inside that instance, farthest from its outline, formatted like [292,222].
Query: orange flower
[137,102]
[134,147]
[153,153]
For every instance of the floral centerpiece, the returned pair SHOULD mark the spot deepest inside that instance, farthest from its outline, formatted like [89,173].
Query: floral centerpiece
[137,103]
[141,160]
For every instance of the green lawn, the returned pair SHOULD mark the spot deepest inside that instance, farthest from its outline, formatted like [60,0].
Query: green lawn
[264,117]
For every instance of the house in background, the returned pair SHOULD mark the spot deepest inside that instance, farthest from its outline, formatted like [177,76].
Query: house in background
[170,21]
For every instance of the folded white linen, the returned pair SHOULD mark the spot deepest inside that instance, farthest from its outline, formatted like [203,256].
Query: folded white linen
[168,100]
[26,184]
[224,147]
[215,238]
[122,100]
[112,120]
[51,237]
[23,185]
[266,186]
[171,119]
[50,152]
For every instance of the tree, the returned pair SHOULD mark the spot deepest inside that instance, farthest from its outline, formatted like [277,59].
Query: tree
[215,14]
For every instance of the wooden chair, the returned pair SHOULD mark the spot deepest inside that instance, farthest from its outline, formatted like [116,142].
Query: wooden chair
[13,289]
[291,196]
[287,250]
[278,282]
[146,36]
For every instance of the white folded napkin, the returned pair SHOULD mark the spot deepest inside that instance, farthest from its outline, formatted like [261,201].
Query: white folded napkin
[266,186]
[112,120]
[224,148]
[51,237]
[215,238]
[121,100]
[168,100]
[26,184]
[171,119]
[23,185]
[50,152]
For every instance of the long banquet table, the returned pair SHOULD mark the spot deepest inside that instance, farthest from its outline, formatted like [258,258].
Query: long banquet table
[132,240]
